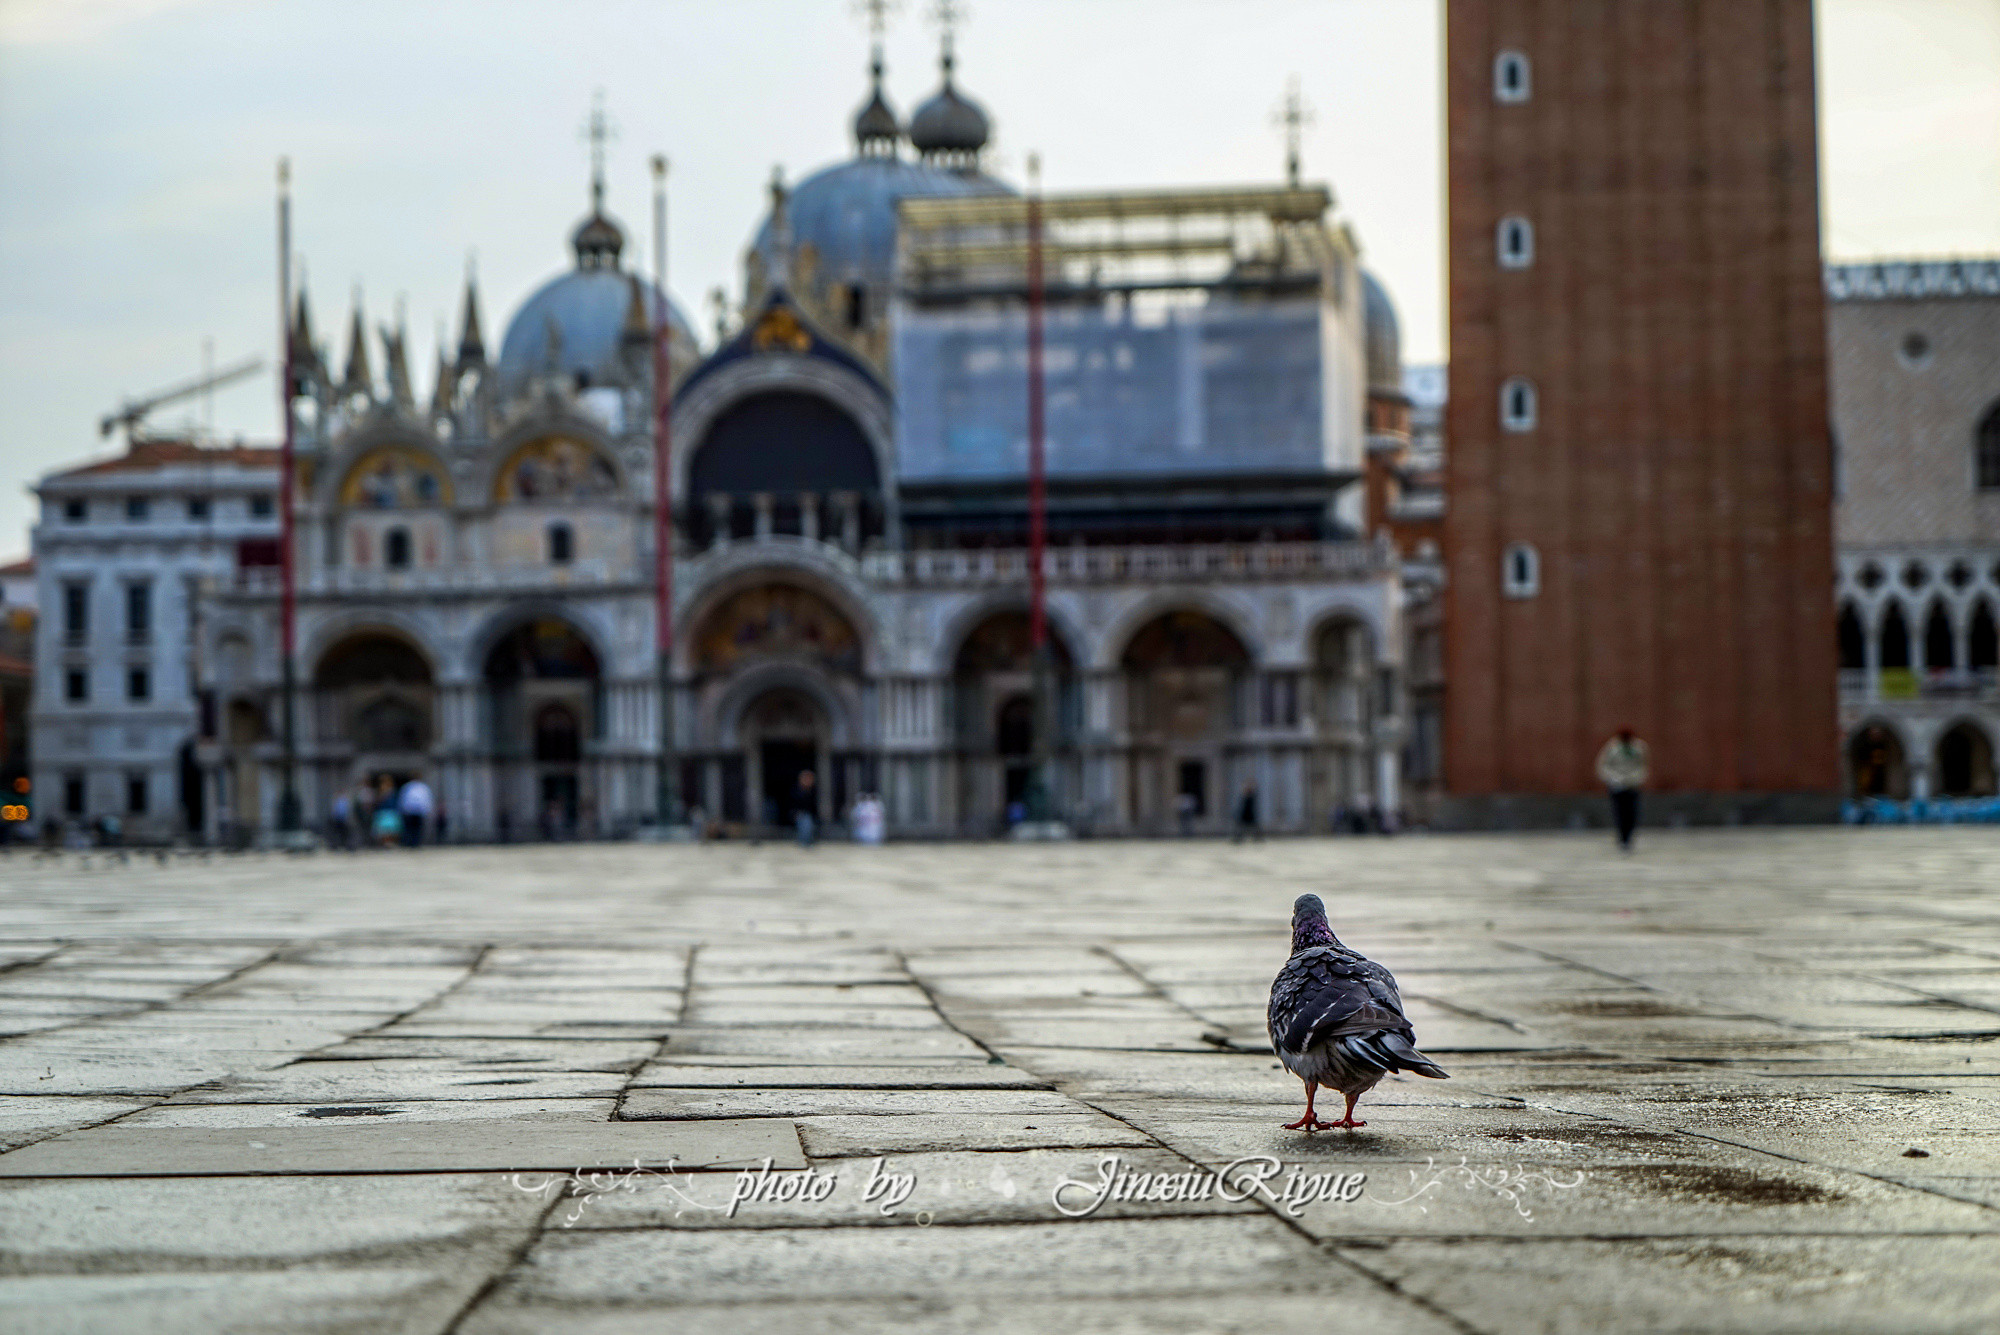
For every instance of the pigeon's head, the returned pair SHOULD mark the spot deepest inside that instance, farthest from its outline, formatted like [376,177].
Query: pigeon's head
[1309,925]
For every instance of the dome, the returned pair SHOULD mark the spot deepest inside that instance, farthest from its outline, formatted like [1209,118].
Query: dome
[847,212]
[876,129]
[1382,338]
[587,308]
[598,242]
[949,125]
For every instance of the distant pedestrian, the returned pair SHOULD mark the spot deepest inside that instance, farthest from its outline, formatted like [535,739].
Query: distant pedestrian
[1246,816]
[416,804]
[805,806]
[388,822]
[868,819]
[1621,768]
[1184,807]
[340,826]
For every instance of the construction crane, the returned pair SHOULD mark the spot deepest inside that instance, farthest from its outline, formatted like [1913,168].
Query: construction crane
[135,410]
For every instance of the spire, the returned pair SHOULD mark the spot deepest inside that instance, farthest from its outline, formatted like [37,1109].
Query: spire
[598,241]
[876,129]
[444,378]
[304,356]
[779,271]
[471,346]
[359,379]
[1293,116]
[598,131]
[396,364]
[638,327]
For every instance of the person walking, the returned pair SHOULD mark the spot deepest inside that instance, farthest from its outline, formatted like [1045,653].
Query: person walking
[1246,816]
[340,830]
[805,803]
[1621,768]
[416,805]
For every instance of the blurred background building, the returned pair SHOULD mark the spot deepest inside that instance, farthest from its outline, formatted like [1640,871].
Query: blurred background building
[475,552]
[1915,349]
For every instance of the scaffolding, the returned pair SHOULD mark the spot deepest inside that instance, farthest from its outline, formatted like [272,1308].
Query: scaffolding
[1214,330]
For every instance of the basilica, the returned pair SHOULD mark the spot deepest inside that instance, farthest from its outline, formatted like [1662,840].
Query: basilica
[476,566]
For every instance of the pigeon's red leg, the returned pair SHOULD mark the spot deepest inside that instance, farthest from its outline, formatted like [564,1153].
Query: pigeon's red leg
[1348,1121]
[1309,1123]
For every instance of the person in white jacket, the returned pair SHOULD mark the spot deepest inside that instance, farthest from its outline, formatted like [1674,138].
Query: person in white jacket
[1621,768]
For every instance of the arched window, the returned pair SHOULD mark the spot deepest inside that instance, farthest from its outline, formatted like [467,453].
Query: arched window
[1853,646]
[1983,647]
[1516,242]
[1965,762]
[562,544]
[1511,82]
[1986,448]
[1521,571]
[1517,404]
[1940,650]
[1895,639]
[396,549]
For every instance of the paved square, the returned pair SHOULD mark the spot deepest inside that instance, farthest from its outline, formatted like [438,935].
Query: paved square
[1743,1080]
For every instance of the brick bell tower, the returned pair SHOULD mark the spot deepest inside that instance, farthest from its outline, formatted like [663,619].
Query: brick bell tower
[1640,527]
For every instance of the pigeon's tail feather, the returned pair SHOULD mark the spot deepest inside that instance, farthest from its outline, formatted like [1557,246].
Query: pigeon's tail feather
[1407,1058]
[1360,1052]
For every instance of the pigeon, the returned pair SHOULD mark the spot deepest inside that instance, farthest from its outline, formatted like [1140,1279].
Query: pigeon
[1336,1018]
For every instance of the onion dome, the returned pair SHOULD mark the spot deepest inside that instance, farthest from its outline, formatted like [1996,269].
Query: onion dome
[950,129]
[598,242]
[876,129]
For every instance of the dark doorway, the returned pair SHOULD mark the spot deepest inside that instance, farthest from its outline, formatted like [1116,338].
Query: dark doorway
[1194,783]
[1876,758]
[559,804]
[783,762]
[558,739]
[1965,763]
[194,810]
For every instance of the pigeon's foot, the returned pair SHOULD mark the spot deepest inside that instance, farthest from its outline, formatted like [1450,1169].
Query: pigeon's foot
[1346,1123]
[1309,1124]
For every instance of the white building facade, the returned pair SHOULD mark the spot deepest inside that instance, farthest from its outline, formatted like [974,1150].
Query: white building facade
[1915,372]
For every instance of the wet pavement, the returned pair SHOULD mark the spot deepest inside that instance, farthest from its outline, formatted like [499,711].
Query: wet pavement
[1742,1080]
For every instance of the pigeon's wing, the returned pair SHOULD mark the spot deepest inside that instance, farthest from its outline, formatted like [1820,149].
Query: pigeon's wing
[1322,994]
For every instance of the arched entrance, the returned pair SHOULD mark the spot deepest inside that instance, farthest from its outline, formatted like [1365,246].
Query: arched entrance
[1876,765]
[994,712]
[1182,671]
[543,707]
[777,674]
[785,737]
[373,703]
[1965,762]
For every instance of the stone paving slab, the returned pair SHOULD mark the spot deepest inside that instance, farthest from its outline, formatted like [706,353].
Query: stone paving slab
[357,1146]
[958,1075]
[1740,1080]
[1802,1284]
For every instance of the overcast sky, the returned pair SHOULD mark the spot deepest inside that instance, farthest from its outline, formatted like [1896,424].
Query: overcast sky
[138,142]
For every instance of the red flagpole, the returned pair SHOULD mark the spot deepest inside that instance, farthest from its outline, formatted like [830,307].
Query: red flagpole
[663,505]
[1037,482]
[289,813]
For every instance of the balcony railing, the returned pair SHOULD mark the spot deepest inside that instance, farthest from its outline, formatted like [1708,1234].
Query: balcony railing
[1151,564]
[947,568]
[1921,684]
